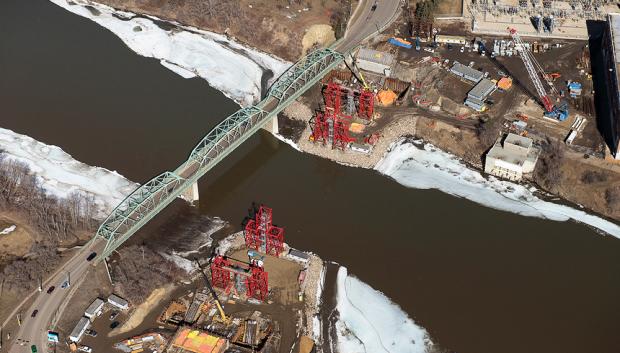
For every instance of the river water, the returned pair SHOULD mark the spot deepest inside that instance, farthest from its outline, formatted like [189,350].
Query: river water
[479,280]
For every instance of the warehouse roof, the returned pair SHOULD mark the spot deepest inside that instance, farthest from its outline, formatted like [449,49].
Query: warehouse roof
[375,56]
[482,89]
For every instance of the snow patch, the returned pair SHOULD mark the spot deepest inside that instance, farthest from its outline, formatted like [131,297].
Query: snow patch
[287,141]
[420,165]
[61,175]
[8,230]
[228,66]
[370,323]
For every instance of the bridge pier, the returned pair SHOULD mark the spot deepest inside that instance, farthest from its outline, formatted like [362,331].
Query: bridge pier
[191,194]
[273,126]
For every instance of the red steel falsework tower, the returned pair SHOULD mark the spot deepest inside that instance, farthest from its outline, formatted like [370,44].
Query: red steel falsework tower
[262,235]
[366,104]
[226,273]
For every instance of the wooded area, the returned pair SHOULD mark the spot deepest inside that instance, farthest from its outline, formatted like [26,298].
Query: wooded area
[55,220]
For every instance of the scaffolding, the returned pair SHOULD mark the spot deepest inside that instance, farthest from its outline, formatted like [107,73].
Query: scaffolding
[366,105]
[249,280]
[261,235]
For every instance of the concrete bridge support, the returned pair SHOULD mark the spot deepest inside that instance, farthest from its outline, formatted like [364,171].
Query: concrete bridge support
[191,194]
[273,126]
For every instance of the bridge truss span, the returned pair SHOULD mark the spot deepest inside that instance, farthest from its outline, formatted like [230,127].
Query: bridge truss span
[149,199]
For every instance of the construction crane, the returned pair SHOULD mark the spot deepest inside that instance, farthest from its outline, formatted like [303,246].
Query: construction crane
[223,318]
[535,71]
[358,73]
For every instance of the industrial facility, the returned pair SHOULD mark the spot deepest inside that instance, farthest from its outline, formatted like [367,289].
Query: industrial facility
[511,157]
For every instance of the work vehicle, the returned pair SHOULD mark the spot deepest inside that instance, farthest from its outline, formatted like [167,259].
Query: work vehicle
[113,315]
[34,313]
[33,348]
[86,349]
[374,6]
[223,318]
[50,289]
[65,284]
[91,256]
[92,333]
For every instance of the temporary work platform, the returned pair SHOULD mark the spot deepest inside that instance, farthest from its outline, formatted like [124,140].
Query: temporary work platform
[250,280]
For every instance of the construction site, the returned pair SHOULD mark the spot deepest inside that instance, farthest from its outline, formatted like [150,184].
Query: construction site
[245,300]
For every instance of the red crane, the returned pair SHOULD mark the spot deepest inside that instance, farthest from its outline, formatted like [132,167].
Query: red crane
[535,71]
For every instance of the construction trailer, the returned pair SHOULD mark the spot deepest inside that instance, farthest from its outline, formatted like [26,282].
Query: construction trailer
[118,302]
[478,95]
[448,39]
[242,279]
[94,309]
[261,235]
[466,72]
[80,329]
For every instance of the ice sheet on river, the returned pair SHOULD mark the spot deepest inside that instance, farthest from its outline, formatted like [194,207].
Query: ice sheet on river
[61,175]
[420,165]
[229,67]
[370,323]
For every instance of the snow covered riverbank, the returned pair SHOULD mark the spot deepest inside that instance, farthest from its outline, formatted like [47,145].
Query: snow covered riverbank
[61,175]
[370,323]
[420,165]
[231,68]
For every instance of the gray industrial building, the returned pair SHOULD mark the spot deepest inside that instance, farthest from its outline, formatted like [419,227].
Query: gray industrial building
[375,61]
[609,97]
[478,94]
[466,72]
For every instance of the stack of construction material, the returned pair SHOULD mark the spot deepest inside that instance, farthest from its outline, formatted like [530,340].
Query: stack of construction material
[574,89]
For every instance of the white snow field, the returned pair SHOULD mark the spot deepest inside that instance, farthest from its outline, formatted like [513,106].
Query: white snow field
[61,175]
[370,323]
[228,66]
[420,165]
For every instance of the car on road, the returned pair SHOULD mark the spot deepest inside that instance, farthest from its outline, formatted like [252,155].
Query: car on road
[91,256]
[33,348]
[34,313]
[50,289]
[114,324]
[92,333]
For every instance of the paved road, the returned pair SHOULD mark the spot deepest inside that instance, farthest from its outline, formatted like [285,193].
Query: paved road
[34,330]
[366,21]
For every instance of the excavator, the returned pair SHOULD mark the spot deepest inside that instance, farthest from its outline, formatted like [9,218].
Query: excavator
[222,318]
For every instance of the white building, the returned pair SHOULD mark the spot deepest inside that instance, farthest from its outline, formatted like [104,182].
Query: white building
[375,61]
[118,302]
[510,160]
[79,329]
[94,309]
[448,39]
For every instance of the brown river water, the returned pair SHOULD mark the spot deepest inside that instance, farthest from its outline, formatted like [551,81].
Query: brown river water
[479,280]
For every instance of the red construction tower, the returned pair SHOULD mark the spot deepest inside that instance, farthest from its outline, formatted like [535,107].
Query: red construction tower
[332,126]
[235,276]
[261,235]
[366,106]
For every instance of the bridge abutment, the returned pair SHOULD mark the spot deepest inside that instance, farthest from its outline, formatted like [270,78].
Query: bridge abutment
[191,194]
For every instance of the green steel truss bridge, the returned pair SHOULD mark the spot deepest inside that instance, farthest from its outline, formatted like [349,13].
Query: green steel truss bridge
[149,199]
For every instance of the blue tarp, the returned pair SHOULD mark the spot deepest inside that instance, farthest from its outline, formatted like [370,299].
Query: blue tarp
[398,43]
